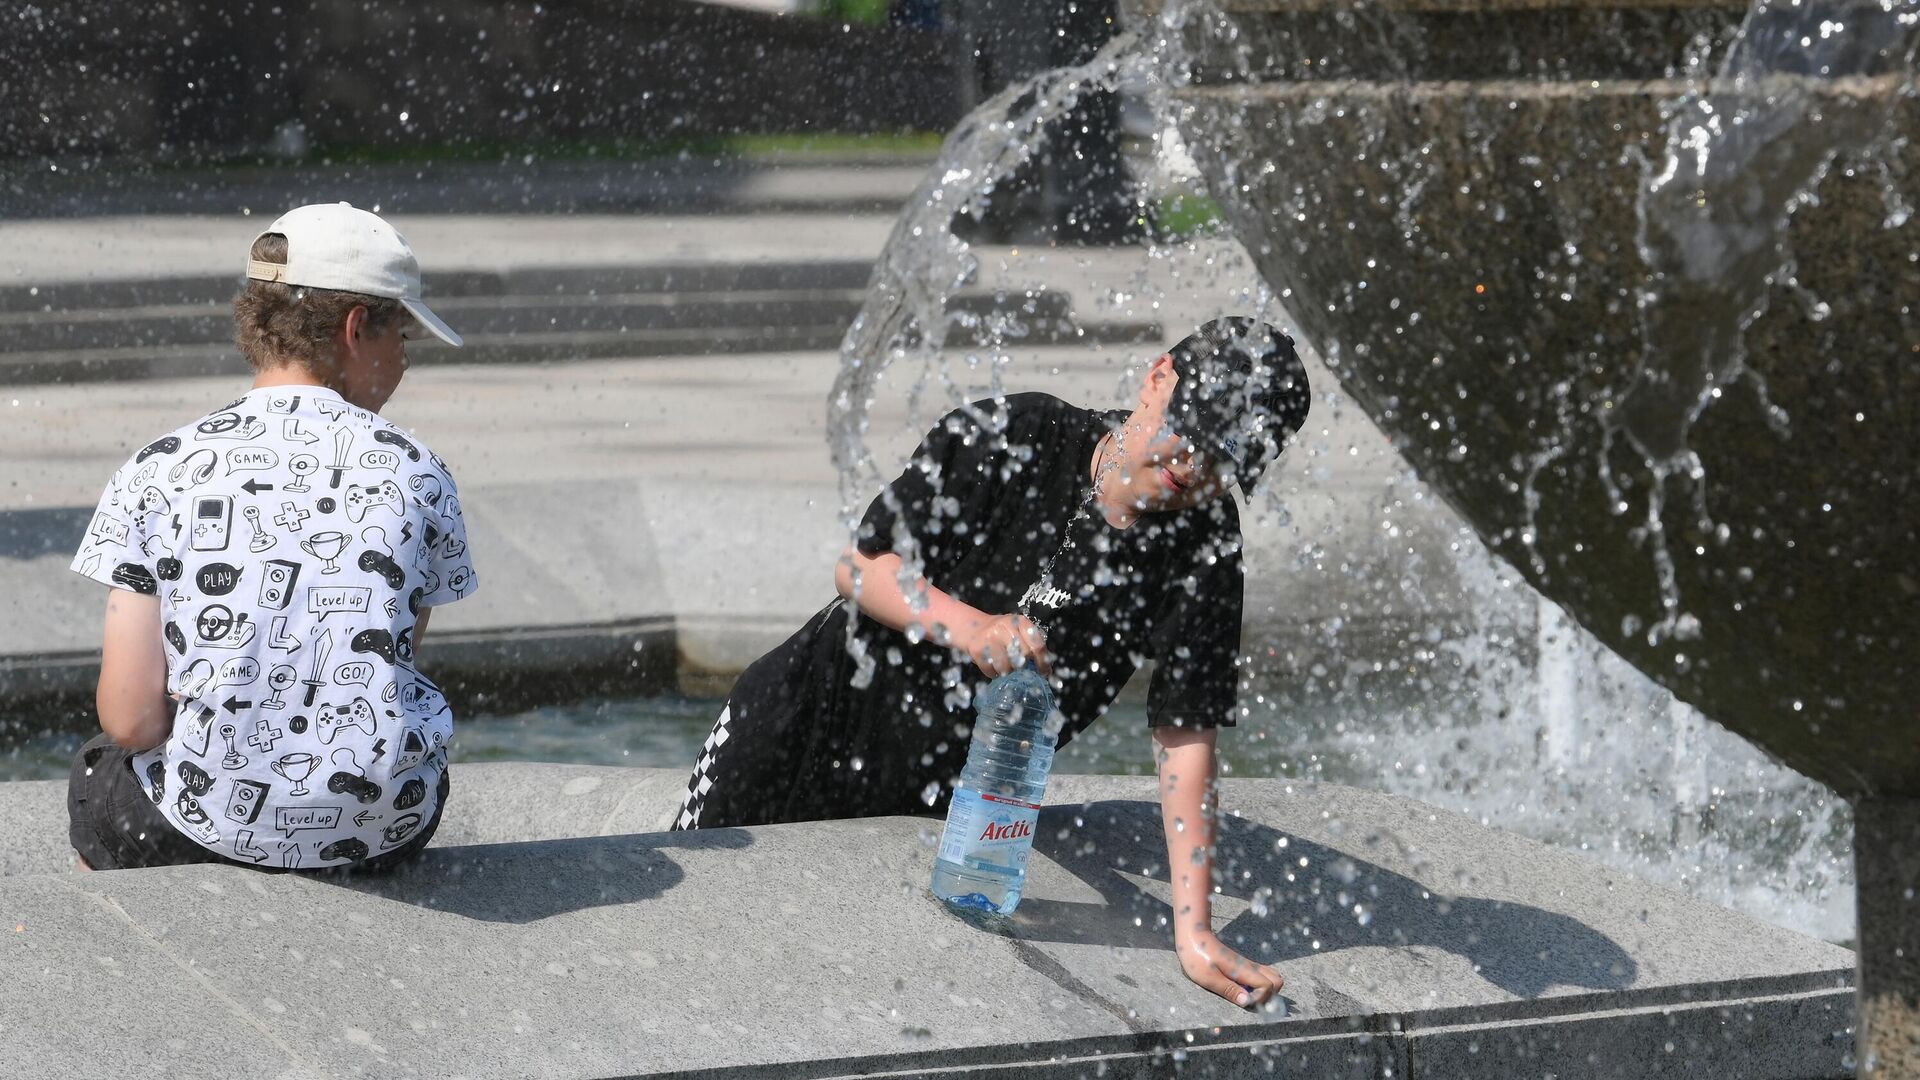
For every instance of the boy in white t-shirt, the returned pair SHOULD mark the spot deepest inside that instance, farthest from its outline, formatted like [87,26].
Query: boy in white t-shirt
[273,565]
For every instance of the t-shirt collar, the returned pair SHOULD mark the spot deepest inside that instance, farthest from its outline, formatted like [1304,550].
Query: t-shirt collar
[303,389]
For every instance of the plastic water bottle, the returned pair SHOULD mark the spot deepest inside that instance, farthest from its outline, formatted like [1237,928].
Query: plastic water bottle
[982,862]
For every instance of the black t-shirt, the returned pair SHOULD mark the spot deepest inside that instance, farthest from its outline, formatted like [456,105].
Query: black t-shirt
[978,511]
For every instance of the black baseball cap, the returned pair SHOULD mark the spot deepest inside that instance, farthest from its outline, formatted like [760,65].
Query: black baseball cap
[1242,392]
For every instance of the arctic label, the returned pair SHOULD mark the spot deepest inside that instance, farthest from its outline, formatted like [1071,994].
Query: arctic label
[984,830]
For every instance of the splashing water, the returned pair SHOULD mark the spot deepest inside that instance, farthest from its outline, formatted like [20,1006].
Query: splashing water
[1558,740]
[924,265]
[1747,147]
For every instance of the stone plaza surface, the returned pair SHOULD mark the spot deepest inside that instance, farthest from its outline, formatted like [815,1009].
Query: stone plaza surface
[550,931]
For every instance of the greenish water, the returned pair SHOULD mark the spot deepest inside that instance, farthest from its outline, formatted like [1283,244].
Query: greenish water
[664,732]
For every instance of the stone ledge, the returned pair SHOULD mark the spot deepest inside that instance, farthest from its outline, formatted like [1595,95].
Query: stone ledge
[812,950]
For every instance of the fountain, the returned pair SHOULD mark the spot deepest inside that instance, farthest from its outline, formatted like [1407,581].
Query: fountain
[1632,286]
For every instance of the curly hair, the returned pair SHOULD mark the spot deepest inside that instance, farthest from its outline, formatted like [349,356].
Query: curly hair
[277,323]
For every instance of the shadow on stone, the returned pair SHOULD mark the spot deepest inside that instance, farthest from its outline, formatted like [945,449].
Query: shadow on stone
[1308,893]
[524,883]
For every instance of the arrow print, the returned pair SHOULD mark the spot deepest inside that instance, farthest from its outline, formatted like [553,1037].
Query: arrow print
[365,816]
[247,849]
[294,433]
[282,640]
[255,487]
[234,705]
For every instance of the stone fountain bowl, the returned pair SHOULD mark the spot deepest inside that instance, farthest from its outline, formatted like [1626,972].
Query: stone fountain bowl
[1446,194]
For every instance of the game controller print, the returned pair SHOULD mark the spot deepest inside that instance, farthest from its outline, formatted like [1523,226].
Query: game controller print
[137,578]
[166,445]
[152,503]
[362,499]
[394,439]
[381,563]
[331,720]
[349,779]
[377,641]
[350,849]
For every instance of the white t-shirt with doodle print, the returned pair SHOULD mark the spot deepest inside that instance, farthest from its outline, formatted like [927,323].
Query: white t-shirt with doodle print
[292,539]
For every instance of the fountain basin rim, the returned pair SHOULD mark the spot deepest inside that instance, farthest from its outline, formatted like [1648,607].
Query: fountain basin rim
[1843,88]
[1456,7]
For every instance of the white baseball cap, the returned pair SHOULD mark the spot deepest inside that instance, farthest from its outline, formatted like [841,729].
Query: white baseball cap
[338,246]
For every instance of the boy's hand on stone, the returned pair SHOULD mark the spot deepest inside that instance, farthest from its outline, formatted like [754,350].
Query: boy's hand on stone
[1212,966]
[1005,643]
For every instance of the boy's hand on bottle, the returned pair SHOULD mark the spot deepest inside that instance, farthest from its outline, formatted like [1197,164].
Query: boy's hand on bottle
[1211,965]
[1005,643]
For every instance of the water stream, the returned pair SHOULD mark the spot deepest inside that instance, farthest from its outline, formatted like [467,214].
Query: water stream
[1520,720]
[1746,147]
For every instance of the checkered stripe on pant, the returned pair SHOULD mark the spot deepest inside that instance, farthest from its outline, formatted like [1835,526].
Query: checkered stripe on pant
[701,781]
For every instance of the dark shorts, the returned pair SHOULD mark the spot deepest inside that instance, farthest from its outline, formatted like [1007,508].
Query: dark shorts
[114,825]
[795,744]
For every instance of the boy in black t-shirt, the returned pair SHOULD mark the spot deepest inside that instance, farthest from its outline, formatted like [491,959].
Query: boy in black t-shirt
[1031,528]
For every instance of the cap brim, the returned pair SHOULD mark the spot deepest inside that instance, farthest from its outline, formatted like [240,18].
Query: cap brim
[434,324]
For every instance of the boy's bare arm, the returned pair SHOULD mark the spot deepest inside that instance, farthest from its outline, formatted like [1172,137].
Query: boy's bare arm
[1187,810]
[135,710]
[997,643]
[419,632]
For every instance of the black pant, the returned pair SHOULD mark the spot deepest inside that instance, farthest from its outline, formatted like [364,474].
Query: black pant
[114,825]
[796,743]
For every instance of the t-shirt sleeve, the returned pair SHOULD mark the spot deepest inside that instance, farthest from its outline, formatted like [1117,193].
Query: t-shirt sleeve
[450,575]
[114,549]
[938,500]
[1196,637]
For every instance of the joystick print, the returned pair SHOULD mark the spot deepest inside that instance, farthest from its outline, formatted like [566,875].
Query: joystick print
[233,759]
[302,466]
[262,539]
